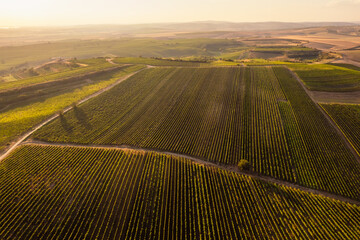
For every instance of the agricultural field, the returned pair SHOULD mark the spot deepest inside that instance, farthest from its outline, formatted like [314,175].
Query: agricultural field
[347,118]
[25,95]
[284,52]
[157,62]
[96,66]
[320,155]
[15,121]
[91,193]
[182,130]
[261,114]
[346,66]
[55,66]
[29,55]
[352,54]
[326,77]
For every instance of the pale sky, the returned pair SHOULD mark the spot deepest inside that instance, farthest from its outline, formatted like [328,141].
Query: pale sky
[77,12]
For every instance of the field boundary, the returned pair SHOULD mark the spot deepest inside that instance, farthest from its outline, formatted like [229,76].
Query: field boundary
[25,135]
[200,161]
[340,129]
[328,118]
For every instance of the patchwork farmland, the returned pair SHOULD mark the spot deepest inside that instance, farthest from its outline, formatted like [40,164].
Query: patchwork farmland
[154,155]
[222,115]
[92,193]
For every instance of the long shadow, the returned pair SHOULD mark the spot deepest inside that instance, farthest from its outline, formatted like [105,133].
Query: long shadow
[65,124]
[82,117]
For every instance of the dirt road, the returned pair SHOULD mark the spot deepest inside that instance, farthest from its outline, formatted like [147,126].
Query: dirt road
[230,168]
[200,161]
[334,125]
[27,134]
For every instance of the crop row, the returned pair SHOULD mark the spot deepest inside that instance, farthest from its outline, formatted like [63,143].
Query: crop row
[77,193]
[321,157]
[347,117]
[324,77]
[221,114]
[20,119]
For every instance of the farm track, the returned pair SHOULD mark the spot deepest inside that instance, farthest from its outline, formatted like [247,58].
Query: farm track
[35,128]
[333,124]
[231,168]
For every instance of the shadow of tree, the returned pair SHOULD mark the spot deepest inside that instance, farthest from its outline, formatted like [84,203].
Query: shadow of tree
[82,117]
[65,124]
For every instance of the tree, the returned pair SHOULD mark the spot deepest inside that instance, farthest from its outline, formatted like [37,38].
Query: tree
[244,164]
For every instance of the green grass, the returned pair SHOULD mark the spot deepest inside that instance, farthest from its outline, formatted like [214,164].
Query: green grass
[155,62]
[34,93]
[81,193]
[282,49]
[7,78]
[18,120]
[263,62]
[349,66]
[325,77]
[220,63]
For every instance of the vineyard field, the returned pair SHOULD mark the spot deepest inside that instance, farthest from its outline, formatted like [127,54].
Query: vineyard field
[326,77]
[321,157]
[14,122]
[91,193]
[194,111]
[347,118]
[261,114]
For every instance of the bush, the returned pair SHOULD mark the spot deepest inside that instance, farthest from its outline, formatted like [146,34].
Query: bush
[244,164]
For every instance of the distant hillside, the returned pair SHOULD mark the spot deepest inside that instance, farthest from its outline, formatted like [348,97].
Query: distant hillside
[230,26]
[30,35]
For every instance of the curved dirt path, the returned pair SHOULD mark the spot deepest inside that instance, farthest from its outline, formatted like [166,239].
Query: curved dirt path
[35,128]
[110,60]
[231,168]
[329,119]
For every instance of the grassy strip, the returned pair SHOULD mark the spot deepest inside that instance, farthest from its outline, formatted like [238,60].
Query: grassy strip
[16,121]
[101,65]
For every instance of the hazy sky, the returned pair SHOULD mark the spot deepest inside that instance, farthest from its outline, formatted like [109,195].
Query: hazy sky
[73,12]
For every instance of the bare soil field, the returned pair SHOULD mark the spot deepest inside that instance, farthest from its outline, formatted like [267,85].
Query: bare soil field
[323,41]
